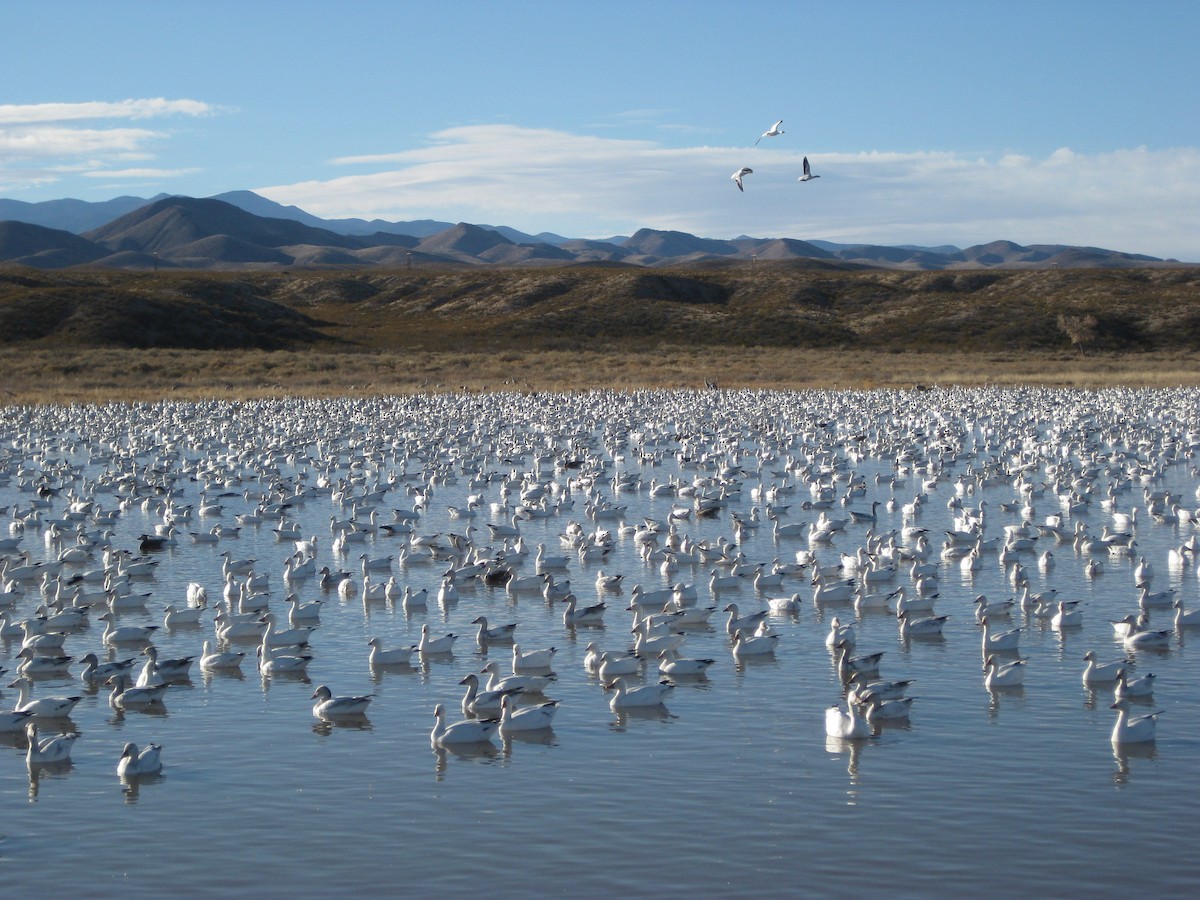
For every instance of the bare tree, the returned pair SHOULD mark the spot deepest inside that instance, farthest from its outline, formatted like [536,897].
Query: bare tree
[1082,330]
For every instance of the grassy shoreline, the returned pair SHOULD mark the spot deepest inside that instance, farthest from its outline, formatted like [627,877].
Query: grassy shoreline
[63,376]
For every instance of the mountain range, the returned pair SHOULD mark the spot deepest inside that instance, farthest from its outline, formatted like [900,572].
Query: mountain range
[242,230]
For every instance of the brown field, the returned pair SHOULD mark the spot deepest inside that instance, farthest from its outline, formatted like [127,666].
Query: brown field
[94,336]
[33,376]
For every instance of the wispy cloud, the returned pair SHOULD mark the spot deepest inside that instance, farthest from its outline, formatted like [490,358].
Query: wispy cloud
[32,113]
[583,185]
[139,173]
[40,142]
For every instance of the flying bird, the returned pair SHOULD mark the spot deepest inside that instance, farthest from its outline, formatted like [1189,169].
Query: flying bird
[737,176]
[807,176]
[773,131]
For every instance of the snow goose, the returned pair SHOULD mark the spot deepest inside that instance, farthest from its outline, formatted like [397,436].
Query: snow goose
[1139,687]
[174,617]
[673,666]
[739,175]
[125,634]
[849,665]
[808,175]
[442,644]
[641,696]
[754,645]
[271,662]
[484,702]
[523,661]
[495,632]
[302,612]
[134,763]
[1102,673]
[329,707]
[1009,674]
[1145,638]
[94,670]
[1135,730]
[846,724]
[737,622]
[839,633]
[34,664]
[468,731]
[41,707]
[43,751]
[1003,640]
[125,697]
[398,656]
[592,614]
[927,626]
[773,131]
[895,710]
[211,659]
[529,718]
[530,684]
[614,664]
[1185,618]
[1067,616]
[14,720]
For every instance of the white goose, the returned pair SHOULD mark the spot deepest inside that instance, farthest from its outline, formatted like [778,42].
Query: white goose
[397,656]
[485,702]
[1139,687]
[1004,640]
[641,696]
[211,658]
[530,684]
[125,697]
[42,707]
[848,725]
[468,731]
[529,718]
[1135,730]
[1102,673]
[1009,674]
[435,645]
[43,751]
[523,661]
[132,763]
[328,706]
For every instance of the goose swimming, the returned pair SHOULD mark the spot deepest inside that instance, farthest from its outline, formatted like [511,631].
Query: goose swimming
[1135,730]
[528,718]
[47,750]
[133,763]
[468,731]
[328,706]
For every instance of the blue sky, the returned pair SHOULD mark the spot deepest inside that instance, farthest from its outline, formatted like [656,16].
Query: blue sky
[1071,122]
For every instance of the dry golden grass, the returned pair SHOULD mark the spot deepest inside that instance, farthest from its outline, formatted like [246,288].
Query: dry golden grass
[36,376]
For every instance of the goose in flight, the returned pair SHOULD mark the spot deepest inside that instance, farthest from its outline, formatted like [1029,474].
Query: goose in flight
[808,175]
[737,176]
[773,131]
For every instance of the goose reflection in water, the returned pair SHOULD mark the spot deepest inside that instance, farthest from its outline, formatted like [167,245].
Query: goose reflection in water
[131,785]
[1123,753]
[853,750]
[48,771]
[640,713]
[479,752]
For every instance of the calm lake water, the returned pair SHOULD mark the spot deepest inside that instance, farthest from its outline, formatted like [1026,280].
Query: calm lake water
[733,788]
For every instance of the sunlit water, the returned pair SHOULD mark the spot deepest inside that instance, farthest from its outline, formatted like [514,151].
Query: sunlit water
[733,789]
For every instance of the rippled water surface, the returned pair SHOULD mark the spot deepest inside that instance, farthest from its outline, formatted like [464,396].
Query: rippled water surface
[733,787]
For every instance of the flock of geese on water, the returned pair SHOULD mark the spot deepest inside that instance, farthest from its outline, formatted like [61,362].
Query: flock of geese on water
[777,464]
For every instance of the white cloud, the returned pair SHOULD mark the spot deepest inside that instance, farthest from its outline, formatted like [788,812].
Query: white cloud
[139,173]
[1137,200]
[14,114]
[41,142]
